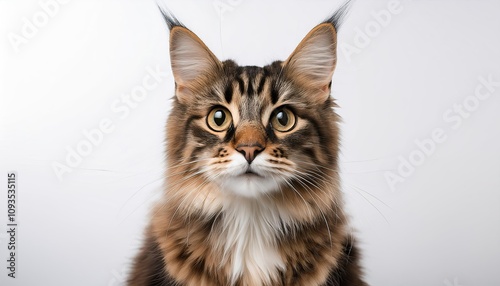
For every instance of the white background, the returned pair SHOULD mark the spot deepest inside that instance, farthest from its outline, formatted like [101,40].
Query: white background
[440,226]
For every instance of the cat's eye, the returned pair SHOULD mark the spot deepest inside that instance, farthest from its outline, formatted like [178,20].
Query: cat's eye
[283,120]
[219,119]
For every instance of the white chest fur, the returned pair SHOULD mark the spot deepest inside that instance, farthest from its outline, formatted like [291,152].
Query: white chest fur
[249,236]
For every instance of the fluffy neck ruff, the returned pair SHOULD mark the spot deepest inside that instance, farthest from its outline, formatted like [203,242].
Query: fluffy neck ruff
[210,238]
[250,234]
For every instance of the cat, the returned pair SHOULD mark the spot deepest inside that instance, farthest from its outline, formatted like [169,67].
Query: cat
[252,192]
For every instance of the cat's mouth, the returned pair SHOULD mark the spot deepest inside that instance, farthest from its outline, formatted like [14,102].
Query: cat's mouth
[250,173]
[250,182]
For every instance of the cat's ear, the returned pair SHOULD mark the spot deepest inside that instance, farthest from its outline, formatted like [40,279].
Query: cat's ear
[193,64]
[313,61]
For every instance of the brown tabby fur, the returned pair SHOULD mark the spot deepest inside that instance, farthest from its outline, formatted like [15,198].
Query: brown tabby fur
[185,241]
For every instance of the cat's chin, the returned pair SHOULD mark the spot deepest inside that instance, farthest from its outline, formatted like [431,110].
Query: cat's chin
[250,185]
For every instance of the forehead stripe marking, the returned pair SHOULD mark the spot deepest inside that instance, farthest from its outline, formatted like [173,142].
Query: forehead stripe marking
[262,82]
[241,85]
[228,93]
[250,86]
[274,93]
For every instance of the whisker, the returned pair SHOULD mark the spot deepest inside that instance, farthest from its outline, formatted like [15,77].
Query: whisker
[137,192]
[137,208]
[383,216]
[371,195]
[298,193]
[310,191]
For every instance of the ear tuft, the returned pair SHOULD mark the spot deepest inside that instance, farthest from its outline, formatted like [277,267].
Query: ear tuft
[337,18]
[169,18]
[193,64]
[313,61]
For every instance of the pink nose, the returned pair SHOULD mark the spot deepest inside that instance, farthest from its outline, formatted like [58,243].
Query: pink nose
[249,151]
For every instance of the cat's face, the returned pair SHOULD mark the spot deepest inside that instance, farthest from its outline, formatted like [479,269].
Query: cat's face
[254,131]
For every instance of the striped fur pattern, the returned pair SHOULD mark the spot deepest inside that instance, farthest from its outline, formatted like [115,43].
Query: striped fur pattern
[252,192]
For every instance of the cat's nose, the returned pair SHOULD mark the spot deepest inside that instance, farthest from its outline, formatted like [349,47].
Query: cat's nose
[250,151]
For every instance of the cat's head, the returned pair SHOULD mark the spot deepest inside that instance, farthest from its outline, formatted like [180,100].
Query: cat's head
[254,131]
